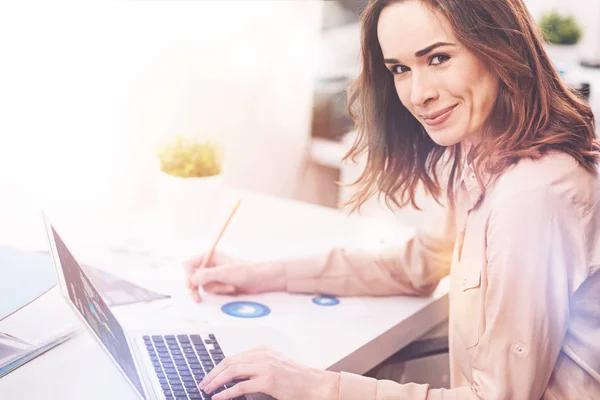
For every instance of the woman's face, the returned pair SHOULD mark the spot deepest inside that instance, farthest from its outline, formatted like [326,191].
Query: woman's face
[444,85]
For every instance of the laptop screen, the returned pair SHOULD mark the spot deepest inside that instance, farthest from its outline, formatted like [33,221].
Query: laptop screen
[93,309]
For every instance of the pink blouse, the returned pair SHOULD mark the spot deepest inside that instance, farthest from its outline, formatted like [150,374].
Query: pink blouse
[522,252]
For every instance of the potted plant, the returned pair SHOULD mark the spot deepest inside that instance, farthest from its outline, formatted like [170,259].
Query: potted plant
[190,181]
[562,34]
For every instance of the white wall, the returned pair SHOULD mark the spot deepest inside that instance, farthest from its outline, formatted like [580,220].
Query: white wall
[88,88]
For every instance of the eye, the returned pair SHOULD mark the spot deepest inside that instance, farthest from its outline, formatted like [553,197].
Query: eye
[441,58]
[399,69]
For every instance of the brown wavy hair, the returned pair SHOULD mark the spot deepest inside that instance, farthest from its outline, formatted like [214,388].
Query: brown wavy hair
[534,111]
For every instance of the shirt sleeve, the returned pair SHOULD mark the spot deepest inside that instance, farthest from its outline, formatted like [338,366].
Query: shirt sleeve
[414,268]
[535,247]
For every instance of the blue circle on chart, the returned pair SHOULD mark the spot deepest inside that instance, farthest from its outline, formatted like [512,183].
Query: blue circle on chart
[245,309]
[326,301]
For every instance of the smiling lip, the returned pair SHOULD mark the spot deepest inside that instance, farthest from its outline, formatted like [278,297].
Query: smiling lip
[439,117]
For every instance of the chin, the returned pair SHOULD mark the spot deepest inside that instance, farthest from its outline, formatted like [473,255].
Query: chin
[445,137]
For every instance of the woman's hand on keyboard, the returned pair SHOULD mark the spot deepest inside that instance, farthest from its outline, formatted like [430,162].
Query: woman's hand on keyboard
[228,275]
[261,370]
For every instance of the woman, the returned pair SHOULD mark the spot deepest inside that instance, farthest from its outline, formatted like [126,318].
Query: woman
[462,86]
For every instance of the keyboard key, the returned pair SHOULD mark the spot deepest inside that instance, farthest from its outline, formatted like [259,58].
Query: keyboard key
[207,362]
[185,373]
[179,393]
[196,338]
[171,377]
[157,338]
[170,337]
[170,371]
[167,390]
[187,379]
[168,365]
[177,387]
[197,371]
[205,357]
[183,339]
[195,396]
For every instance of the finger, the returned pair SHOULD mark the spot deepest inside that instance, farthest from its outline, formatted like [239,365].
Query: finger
[219,288]
[192,264]
[205,275]
[251,356]
[257,385]
[232,372]
[195,294]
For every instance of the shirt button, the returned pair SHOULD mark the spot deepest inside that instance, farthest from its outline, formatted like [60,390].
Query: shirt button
[520,349]
[472,176]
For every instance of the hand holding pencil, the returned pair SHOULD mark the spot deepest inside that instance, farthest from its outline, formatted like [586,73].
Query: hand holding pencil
[207,259]
[219,273]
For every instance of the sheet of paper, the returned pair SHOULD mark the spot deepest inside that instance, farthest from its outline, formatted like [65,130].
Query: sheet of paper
[248,309]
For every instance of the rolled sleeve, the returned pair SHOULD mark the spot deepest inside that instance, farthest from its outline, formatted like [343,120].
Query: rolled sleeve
[415,268]
[357,387]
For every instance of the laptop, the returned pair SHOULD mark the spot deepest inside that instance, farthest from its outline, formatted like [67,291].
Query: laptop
[164,364]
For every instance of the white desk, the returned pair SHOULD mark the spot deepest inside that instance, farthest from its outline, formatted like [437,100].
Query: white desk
[264,228]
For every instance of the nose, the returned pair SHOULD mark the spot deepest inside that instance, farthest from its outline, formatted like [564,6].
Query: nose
[422,90]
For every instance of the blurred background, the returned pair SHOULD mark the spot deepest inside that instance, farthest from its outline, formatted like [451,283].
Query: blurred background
[89,89]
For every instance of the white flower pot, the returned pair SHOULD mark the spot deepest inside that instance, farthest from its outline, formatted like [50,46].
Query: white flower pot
[563,56]
[187,205]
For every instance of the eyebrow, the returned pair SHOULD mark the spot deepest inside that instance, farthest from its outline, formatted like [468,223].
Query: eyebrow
[420,53]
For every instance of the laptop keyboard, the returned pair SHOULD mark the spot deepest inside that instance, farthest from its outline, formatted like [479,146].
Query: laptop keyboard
[182,361]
